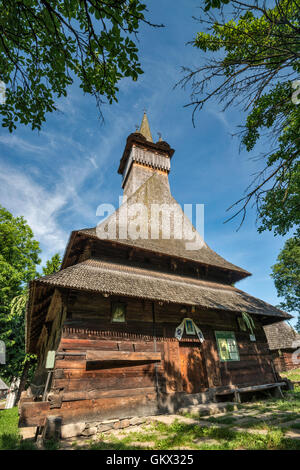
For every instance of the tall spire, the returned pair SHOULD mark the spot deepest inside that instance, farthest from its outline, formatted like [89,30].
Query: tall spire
[145,128]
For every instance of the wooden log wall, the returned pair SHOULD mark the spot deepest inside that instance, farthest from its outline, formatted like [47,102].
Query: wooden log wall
[49,338]
[283,361]
[108,369]
[108,251]
[89,328]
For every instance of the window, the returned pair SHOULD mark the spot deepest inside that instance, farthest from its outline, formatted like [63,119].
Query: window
[227,346]
[118,312]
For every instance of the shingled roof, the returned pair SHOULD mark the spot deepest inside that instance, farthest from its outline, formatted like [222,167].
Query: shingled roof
[82,270]
[122,279]
[156,191]
[282,336]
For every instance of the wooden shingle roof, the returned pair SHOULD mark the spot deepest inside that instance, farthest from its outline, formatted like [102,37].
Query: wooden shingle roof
[122,279]
[282,336]
[156,191]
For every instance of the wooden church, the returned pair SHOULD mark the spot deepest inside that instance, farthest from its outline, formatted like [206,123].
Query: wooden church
[139,321]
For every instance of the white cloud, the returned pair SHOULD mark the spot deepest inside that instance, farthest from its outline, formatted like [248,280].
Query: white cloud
[93,161]
[221,116]
[20,144]
[58,196]
[22,196]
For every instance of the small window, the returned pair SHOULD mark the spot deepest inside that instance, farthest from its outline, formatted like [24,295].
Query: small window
[118,313]
[227,346]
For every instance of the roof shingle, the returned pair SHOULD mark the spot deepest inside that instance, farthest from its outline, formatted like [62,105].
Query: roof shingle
[120,279]
[281,336]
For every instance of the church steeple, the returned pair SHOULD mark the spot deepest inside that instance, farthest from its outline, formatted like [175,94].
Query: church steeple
[142,158]
[145,128]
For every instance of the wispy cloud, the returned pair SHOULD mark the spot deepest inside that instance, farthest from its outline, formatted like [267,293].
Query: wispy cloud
[221,117]
[20,144]
[23,196]
[93,161]
[62,192]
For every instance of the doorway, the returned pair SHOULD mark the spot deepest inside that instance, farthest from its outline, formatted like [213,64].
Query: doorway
[192,367]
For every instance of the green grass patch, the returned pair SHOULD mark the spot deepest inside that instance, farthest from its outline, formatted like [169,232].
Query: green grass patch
[265,431]
[222,419]
[10,438]
[178,435]
[161,436]
[293,375]
[295,426]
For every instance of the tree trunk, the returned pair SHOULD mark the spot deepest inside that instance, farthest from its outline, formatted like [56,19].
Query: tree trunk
[23,381]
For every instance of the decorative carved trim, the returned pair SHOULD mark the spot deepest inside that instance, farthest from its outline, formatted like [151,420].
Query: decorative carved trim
[117,335]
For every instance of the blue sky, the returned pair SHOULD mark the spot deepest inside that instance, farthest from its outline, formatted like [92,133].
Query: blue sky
[57,177]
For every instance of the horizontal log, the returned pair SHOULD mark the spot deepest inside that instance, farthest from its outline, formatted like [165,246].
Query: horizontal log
[70,364]
[92,394]
[251,388]
[104,383]
[243,374]
[247,380]
[35,413]
[84,344]
[245,364]
[134,370]
[260,387]
[102,356]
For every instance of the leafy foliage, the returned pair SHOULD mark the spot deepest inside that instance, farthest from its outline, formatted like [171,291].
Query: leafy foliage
[286,274]
[14,336]
[45,44]
[214,3]
[252,61]
[19,255]
[52,265]
[18,262]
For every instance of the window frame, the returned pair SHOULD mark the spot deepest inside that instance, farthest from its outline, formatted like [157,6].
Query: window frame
[116,304]
[225,335]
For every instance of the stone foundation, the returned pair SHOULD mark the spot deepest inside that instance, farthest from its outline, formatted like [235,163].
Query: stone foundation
[88,429]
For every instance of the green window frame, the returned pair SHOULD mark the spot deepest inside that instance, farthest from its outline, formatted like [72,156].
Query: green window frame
[227,346]
[118,312]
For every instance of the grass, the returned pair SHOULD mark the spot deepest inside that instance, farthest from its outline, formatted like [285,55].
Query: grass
[265,429]
[161,436]
[10,438]
[293,375]
[222,419]
[254,426]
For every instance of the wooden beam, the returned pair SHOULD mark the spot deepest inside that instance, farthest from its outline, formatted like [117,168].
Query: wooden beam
[102,356]
[35,413]
[94,394]
[252,388]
